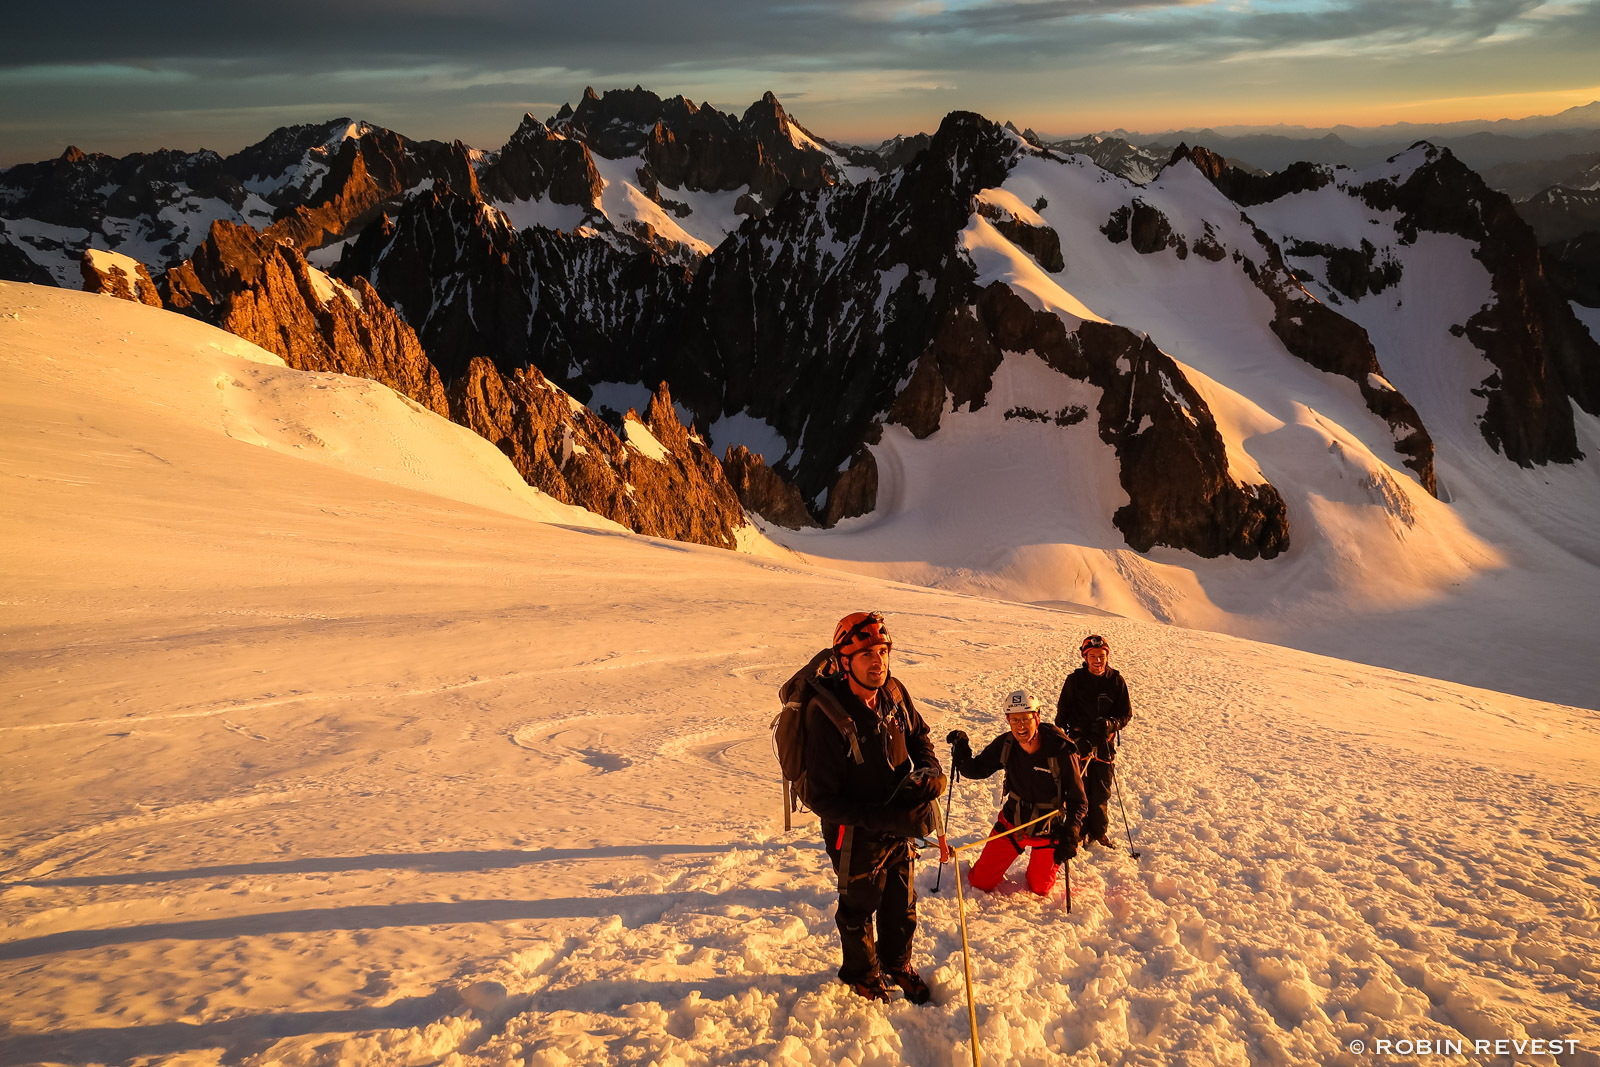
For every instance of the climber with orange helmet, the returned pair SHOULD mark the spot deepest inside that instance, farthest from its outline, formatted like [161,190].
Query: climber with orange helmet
[874,779]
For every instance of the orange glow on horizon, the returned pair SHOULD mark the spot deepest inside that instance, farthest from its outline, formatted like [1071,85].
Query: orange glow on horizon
[1150,118]
[1318,113]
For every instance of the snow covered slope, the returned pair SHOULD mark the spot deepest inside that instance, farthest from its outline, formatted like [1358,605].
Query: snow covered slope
[325,741]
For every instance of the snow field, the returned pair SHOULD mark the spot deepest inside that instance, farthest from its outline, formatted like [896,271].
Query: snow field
[350,761]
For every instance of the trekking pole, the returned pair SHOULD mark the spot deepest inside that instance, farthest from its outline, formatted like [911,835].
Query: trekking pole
[944,828]
[1116,780]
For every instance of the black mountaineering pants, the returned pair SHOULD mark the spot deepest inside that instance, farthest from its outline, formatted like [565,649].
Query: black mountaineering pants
[1097,783]
[879,885]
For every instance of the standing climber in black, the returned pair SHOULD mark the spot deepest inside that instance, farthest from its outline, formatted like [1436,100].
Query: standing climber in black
[1092,710]
[875,781]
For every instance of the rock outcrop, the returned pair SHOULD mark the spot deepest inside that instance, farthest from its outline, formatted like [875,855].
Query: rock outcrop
[763,492]
[1248,189]
[366,174]
[812,317]
[119,276]
[308,185]
[1173,462]
[655,477]
[538,164]
[266,292]
[685,146]
[1541,353]
[1032,235]
[855,307]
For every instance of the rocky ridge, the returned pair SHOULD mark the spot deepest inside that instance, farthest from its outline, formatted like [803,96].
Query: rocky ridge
[264,291]
[655,477]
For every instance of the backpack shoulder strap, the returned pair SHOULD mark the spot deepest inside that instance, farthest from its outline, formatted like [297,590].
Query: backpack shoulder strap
[830,707]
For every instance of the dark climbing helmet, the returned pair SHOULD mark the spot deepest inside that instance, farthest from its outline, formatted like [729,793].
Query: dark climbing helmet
[1094,641]
[858,631]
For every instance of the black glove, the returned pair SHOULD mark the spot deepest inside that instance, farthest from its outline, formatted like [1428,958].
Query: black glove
[920,786]
[959,745]
[1102,730]
[1064,842]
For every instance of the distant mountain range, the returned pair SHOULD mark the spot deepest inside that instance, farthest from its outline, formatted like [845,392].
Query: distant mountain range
[1584,117]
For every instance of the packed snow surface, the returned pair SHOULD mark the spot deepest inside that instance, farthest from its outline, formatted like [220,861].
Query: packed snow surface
[326,741]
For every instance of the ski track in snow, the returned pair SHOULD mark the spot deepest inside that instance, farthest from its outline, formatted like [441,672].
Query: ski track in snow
[512,798]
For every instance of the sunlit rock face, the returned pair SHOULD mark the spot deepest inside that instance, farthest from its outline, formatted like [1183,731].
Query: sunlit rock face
[267,293]
[655,477]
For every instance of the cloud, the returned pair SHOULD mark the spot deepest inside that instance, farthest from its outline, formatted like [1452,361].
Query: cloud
[410,63]
[504,41]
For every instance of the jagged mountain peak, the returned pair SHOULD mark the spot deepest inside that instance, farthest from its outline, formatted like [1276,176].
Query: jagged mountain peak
[618,122]
[978,151]
[288,145]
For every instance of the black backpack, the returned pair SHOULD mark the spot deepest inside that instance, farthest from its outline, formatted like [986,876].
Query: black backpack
[789,726]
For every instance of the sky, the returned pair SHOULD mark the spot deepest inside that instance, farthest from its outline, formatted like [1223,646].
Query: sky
[118,77]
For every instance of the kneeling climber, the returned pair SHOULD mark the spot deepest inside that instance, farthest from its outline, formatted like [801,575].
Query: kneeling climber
[1041,778]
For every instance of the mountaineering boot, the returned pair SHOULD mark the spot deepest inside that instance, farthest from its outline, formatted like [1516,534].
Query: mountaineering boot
[873,987]
[911,983]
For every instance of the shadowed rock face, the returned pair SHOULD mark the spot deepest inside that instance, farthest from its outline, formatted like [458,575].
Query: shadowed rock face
[1573,266]
[265,292]
[1040,242]
[104,274]
[17,266]
[669,487]
[1246,189]
[812,317]
[1173,463]
[1355,272]
[1541,353]
[582,309]
[538,163]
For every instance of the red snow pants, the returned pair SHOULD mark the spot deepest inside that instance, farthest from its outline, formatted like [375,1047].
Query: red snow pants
[998,856]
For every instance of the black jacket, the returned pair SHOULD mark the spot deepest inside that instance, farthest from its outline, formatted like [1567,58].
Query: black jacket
[842,791]
[1035,782]
[1081,703]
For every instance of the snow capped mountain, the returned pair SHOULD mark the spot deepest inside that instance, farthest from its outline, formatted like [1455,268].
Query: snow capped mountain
[305,185]
[1167,384]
